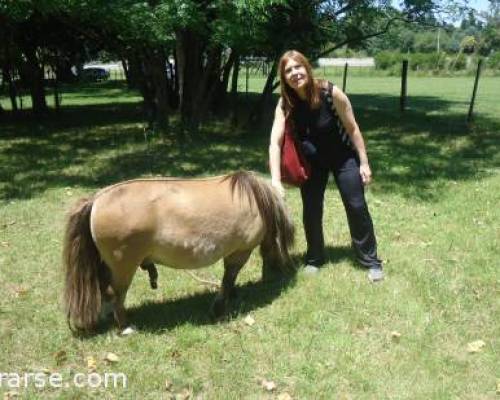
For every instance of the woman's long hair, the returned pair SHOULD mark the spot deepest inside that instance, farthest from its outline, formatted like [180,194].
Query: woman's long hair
[288,95]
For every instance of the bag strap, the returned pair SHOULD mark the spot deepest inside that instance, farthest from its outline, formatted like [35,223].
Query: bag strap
[327,89]
[290,130]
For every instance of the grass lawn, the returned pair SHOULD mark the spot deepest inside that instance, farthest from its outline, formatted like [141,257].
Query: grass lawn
[434,202]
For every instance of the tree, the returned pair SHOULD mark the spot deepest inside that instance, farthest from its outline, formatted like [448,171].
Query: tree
[206,38]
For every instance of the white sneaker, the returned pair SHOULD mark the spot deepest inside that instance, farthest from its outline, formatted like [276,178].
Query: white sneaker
[375,274]
[311,269]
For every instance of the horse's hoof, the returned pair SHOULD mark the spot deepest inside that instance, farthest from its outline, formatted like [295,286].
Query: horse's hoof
[128,331]
[218,309]
[233,294]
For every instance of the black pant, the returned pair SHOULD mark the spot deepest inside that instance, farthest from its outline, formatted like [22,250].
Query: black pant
[348,180]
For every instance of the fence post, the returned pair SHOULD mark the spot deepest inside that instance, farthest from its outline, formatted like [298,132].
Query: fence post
[57,103]
[344,82]
[404,77]
[246,79]
[476,81]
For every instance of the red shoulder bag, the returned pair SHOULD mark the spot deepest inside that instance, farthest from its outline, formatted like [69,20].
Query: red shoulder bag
[295,169]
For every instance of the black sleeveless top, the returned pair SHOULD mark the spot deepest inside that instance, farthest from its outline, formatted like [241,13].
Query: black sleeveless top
[323,137]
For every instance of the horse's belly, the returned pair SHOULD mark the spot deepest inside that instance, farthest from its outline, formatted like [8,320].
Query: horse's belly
[189,253]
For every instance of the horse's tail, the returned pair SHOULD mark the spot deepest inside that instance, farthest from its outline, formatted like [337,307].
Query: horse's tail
[280,231]
[83,267]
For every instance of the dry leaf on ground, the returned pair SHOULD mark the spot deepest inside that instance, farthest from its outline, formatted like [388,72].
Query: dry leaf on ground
[184,394]
[475,346]
[111,357]
[129,330]
[91,364]
[249,320]
[268,385]
[12,394]
[61,356]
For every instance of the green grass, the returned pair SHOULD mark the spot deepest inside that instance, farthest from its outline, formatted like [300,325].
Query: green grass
[434,202]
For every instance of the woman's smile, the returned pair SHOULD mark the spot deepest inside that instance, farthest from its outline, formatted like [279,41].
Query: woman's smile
[296,74]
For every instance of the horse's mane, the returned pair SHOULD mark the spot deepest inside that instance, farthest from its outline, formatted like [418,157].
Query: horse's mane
[280,232]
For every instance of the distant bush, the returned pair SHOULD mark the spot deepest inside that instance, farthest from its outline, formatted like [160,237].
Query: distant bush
[422,62]
[387,60]
[494,61]
[427,61]
[457,62]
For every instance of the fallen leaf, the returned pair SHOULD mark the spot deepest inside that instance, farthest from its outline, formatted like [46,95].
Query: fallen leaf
[249,320]
[268,385]
[284,396]
[184,394]
[129,330]
[18,290]
[91,364]
[10,395]
[475,346]
[5,244]
[111,357]
[8,224]
[176,354]
[60,357]
[168,385]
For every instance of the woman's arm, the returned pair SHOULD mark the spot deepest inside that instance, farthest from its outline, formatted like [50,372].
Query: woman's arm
[344,110]
[276,141]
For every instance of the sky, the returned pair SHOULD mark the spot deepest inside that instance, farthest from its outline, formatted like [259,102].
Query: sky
[479,4]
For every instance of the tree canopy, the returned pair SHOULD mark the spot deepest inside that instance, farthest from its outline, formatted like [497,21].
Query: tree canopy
[180,53]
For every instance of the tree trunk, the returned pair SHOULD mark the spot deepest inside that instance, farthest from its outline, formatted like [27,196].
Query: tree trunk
[124,68]
[189,67]
[57,98]
[221,90]
[156,73]
[6,73]
[265,97]
[210,82]
[234,91]
[173,86]
[63,70]
[34,76]
[134,72]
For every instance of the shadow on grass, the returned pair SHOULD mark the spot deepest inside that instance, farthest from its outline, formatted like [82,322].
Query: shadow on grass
[337,254]
[195,309]
[93,146]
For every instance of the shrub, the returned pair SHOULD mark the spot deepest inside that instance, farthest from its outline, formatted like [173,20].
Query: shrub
[388,60]
[494,61]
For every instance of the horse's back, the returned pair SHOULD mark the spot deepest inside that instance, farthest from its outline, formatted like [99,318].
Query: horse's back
[180,223]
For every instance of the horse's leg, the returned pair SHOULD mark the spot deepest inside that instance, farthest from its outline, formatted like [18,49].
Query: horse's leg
[149,266]
[232,266]
[121,279]
[270,265]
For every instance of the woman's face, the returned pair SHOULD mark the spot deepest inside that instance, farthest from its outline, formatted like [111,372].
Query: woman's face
[295,75]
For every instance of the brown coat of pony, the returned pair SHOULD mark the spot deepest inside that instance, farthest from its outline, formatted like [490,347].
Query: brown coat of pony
[184,224]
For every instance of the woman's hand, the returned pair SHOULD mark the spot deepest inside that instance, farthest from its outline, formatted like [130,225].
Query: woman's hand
[366,174]
[279,187]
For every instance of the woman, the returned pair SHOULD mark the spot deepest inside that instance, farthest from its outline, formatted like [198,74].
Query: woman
[324,123]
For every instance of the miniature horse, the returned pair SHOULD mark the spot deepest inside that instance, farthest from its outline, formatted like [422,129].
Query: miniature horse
[181,223]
